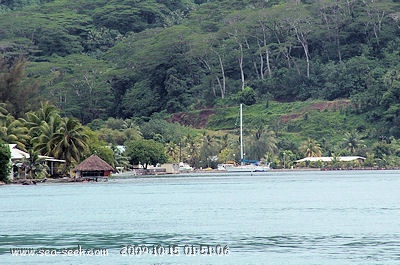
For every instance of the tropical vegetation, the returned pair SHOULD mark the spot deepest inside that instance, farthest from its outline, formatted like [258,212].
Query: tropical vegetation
[34,166]
[5,168]
[317,78]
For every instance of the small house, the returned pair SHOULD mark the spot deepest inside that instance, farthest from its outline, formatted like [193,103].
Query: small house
[93,168]
[17,156]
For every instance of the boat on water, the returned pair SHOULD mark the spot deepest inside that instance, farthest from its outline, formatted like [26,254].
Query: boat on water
[245,165]
[183,167]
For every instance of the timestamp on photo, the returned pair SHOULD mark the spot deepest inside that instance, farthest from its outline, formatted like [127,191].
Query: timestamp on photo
[203,250]
[174,250]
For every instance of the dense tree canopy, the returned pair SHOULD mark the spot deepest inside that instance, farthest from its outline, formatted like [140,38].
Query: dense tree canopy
[135,58]
[145,152]
[132,60]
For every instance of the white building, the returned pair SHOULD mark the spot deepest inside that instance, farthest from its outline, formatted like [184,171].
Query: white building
[331,159]
[18,155]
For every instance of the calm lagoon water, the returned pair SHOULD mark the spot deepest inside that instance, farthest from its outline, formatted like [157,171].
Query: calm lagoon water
[315,217]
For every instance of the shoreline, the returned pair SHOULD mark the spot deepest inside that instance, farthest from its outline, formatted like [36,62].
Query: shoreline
[131,174]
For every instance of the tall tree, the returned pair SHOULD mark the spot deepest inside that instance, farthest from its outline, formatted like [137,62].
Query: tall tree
[211,54]
[301,23]
[173,152]
[207,150]
[390,101]
[43,135]
[352,142]
[334,18]
[262,35]
[19,94]
[13,131]
[191,149]
[46,114]
[311,148]
[262,142]
[69,142]
[145,152]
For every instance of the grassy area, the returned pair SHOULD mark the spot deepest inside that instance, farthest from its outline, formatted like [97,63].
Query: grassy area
[325,121]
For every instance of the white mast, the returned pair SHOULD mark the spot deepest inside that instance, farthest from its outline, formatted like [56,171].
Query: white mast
[241,134]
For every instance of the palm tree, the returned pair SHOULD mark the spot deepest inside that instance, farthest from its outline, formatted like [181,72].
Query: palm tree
[352,141]
[45,132]
[69,142]
[35,166]
[262,142]
[13,131]
[190,152]
[43,124]
[311,148]
[131,130]
[132,134]
[173,152]
[3,111]
[207,149]
[130,124]
[46,114]
[120,159]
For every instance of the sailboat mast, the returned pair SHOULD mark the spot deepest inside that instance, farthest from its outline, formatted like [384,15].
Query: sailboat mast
[241,134]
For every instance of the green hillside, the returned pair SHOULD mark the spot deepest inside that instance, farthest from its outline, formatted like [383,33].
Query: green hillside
[175,72]
[330,123]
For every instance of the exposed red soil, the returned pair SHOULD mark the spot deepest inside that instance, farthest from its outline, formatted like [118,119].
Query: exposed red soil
[286,118]
[328,105]
[199,119]
[196,120]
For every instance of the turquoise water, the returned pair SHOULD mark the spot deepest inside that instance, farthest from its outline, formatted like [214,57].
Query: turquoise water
[337,217]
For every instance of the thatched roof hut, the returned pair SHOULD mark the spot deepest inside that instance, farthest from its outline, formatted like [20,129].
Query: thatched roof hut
[93,167]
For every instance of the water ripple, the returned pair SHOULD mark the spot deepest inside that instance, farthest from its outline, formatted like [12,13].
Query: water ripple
[375,247]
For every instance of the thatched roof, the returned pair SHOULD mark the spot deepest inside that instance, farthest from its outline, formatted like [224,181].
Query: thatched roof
[94,163]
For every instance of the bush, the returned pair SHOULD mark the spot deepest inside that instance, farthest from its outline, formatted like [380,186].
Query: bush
[247,96]
[5,167]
